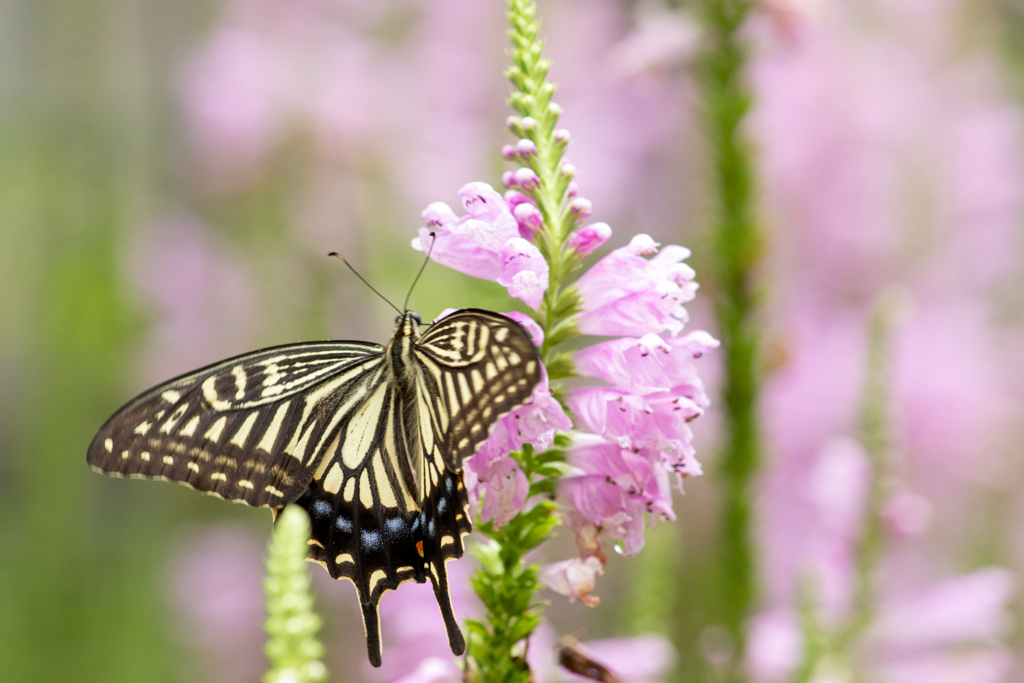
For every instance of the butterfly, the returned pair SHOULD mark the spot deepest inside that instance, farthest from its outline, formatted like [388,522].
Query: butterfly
[369,439]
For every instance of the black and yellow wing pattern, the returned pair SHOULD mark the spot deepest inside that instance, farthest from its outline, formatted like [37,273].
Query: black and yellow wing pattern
[369,439]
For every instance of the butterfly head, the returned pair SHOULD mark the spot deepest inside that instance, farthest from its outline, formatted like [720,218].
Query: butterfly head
[407,324]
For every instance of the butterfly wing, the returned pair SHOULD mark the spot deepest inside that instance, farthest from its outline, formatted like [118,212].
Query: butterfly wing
[252,428]
[476,366]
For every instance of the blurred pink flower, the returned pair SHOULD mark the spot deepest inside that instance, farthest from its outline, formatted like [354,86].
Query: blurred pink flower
[624,293]
[201,295]
[945,633]
[414,632]
[216,589]
[642,659]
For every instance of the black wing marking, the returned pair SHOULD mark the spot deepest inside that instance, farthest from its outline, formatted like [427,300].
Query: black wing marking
[251,428]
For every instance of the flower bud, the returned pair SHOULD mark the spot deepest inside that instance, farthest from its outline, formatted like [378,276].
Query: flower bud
[555,109]
[568,170]
[581,207]
[589,238]
[572,189]
[508,179]
[526,147]
[563,135]
[527,179]
[528,123]
[514,198]
[513,122]
[530,219]
[508,152]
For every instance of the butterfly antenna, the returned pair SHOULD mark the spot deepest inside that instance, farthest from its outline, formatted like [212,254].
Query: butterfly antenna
[433,239]
[334,253]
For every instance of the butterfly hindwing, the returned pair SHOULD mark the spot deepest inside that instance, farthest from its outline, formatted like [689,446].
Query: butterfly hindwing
[251,428]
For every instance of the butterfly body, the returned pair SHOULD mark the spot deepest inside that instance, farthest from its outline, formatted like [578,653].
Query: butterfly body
[369,439]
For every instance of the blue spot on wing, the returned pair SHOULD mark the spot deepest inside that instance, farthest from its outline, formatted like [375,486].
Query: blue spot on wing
[371,540]
[343,524]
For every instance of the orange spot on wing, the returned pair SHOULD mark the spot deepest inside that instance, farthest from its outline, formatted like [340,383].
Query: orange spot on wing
[419,547]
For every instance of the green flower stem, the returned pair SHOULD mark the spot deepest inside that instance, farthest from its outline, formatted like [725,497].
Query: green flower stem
[293,650]
[531,99]
[737,243]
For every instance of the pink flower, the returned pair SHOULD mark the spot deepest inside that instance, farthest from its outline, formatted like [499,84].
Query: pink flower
[523,271]
[657,422]
[485,243]
[649,364]
[502,486]
[625,293]
[611,491]
[574,578]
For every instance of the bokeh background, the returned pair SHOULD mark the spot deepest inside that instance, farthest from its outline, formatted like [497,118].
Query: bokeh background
[172,175]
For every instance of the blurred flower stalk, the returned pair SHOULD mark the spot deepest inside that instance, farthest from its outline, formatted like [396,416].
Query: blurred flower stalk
[843,629]
[737,243]
[293,650]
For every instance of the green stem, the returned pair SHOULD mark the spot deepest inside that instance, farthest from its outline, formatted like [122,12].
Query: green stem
[738,241]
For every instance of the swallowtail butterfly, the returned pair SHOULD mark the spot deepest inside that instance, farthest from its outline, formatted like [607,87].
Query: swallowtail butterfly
[369,439]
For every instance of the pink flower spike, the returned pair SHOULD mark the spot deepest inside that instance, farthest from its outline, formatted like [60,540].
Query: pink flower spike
[529,218]
[526,179]
[581,207]
[508,152]
[589,238]
[626,294]
[575,578]
[524,271]
[526,148]
[563,135]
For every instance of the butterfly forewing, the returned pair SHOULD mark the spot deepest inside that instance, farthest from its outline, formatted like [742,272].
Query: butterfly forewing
[478,366]
[251,428]
[369,440]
